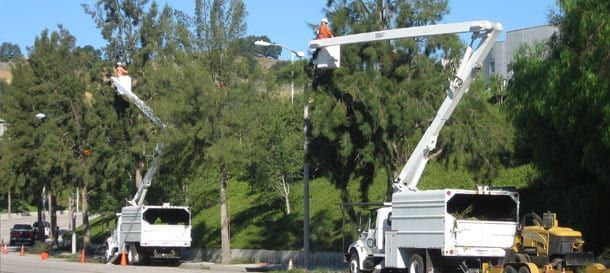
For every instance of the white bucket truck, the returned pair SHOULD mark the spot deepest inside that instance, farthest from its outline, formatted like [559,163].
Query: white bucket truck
[446,230]
[145,232]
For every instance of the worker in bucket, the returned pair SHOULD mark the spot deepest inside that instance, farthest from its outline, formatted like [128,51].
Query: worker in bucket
[119,70]
[323,31]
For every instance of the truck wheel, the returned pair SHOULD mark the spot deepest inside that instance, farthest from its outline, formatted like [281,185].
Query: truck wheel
[416,264]
[524,269]
[354,263]
[106,256]
[133,257]
[510,269]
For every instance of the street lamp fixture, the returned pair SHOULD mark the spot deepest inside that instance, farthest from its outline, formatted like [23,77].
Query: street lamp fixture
[41,116]
[262,43]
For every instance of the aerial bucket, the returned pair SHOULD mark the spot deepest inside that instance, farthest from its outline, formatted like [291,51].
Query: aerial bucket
[328,57]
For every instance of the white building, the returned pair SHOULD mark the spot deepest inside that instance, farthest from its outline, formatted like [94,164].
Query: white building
[503,53]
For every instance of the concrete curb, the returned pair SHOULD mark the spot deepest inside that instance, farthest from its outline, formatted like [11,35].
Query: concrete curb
[232,267]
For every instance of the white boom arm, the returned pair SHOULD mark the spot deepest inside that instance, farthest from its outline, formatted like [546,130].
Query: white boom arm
[484,31]
[123,88]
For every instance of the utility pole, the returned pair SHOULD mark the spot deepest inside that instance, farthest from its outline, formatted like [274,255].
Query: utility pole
[306,122]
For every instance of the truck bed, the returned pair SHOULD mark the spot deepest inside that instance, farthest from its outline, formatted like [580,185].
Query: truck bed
[458,222]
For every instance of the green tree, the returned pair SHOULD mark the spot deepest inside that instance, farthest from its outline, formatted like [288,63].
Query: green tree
[9,52]
[370,112]
[48,151]
[273,152]
[218,24]
[559,101]
[120,22]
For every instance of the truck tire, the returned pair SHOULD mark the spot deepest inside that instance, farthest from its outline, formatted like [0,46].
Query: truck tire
[416,264]
[524,269]
[106,257]
[510,269]
[354,263]
[133,256]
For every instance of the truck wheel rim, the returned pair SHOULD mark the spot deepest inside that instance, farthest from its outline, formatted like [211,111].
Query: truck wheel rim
[414,267]
[353,266]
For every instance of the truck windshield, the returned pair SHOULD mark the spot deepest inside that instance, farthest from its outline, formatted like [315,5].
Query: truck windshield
[482,207]
[167,216]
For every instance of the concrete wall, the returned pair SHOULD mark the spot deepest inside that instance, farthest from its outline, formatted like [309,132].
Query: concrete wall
[330,259]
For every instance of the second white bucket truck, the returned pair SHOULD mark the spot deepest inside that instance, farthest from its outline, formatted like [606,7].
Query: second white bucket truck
[145,232]
[445,230]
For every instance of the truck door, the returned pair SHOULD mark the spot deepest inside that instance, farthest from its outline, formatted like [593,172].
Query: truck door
[383,225]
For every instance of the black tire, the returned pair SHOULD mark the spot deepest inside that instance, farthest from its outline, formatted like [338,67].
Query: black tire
[416,264]
[105,256]
[510,269]
[522,258]
[354,263]
[524,269]
[558,264]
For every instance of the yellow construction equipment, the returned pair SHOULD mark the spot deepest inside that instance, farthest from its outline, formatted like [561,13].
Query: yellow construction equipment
[545,247]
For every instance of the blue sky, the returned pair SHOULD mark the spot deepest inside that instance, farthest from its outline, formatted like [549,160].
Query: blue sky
[284,21]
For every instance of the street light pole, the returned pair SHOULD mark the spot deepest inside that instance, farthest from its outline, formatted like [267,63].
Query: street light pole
[292,77]
[41,218]
[306,122]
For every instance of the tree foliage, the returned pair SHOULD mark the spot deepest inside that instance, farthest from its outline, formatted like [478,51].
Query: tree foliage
[559,102]
[225,109]
[369,114]
[9,52]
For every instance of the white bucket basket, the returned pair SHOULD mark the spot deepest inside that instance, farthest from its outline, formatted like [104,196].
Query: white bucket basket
[328,57]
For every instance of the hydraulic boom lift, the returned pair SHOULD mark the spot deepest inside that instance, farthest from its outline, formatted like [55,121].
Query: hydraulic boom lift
[423,231]
[146,231]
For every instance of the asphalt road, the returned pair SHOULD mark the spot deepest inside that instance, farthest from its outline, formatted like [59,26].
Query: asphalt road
[13,263]
[63,222]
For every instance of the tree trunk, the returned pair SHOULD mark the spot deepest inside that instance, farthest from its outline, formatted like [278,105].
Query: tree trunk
[53,212]
[85,208]
[139,168]
[224,219]
[390,185]
[40,234]
[286,193]
[9,205]
[50,210]
[70,209]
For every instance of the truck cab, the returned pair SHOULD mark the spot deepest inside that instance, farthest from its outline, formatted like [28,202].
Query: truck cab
[368,250]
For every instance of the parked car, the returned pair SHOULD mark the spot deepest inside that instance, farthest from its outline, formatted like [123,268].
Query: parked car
[47,228]
[22,234]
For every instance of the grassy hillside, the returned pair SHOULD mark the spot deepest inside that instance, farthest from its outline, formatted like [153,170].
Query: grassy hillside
[260,225]
[5,72]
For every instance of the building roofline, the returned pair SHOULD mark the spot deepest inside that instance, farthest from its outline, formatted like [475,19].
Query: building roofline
[525,28]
